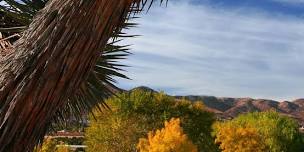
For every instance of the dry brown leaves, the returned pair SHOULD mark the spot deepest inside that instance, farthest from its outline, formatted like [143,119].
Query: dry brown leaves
[5,45]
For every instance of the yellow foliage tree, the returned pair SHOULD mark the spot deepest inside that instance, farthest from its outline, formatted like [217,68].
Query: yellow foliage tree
[169,139]
[62,148]
[50,145]
[258,132]
[239,139]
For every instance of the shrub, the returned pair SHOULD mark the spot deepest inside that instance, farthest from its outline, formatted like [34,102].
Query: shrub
[50,145]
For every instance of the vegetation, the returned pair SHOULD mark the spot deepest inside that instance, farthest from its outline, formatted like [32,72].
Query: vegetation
[264,131]
[50,145]
[64,65]
[171,138]
[239,139]
[135,113]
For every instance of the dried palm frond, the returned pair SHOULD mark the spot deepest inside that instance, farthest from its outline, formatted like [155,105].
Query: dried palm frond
[5,44]
[25,77]
[101,83]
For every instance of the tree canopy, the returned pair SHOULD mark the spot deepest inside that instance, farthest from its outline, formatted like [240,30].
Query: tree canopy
[136,113]
[259,131]
[171,138]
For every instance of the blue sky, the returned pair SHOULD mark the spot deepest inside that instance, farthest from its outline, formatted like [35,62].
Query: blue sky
[226,48]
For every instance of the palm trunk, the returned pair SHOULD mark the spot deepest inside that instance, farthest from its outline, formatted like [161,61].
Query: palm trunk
[49,63]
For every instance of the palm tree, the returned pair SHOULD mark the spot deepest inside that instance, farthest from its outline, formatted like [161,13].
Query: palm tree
[63,62]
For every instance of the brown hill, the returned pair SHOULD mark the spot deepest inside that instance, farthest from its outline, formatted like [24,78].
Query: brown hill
[227,108]
[232,107]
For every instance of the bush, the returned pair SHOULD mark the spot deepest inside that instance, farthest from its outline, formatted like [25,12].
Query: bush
[259,131]
[49,145]
[135,113]
[169,139]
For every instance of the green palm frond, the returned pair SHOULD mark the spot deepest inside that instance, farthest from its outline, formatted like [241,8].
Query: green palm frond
[16,15]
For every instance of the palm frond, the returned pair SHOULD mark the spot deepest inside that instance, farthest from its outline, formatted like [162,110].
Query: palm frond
[16,15]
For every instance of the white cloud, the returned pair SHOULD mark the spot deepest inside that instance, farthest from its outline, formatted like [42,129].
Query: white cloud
[290,1]
[187,49]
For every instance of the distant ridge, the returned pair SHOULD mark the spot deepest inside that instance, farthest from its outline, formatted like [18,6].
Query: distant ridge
[227,108]
[231,107]
[144,88]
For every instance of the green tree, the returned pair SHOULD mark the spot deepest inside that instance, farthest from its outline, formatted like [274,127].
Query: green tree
[113,133]
[137,112]
[270,130]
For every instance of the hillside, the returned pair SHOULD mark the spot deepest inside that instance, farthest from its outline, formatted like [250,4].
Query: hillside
[226,108]
[231,107]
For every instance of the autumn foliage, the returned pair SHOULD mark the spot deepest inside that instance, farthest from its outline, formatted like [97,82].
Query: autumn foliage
[50,145]
[239,139]
[169,139]
[134,114]
[259,132]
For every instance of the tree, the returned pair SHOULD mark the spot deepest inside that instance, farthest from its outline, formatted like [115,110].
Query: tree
[269,130]
[171,138]
[137,112]
[112,134]
[239,139]
[51,145]
[48,145]
[51,62]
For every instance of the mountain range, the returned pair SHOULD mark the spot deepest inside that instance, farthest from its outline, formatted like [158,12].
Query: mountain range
[228,108]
